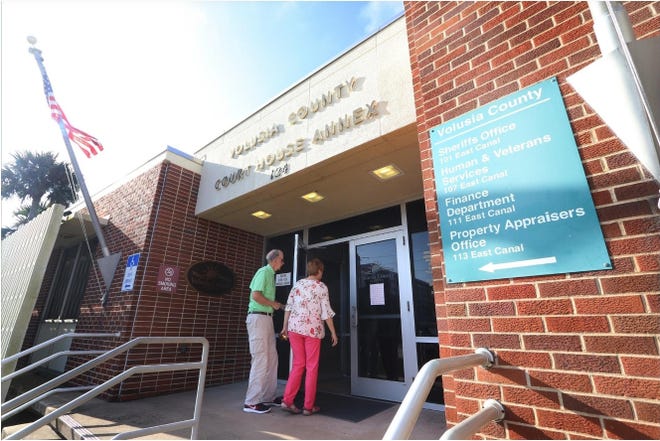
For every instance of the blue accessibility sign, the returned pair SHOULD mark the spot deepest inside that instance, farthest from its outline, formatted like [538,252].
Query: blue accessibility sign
[131,271]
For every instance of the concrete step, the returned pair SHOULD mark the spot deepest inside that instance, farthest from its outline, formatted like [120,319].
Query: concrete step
[45,433]
[66,425]
[63,427]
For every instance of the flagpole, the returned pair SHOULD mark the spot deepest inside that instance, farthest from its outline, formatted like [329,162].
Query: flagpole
[110,262]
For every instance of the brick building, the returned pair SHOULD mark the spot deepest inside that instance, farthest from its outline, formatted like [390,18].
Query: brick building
[578,352]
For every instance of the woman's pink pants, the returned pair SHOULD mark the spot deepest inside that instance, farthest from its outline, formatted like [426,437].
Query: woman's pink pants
[306,352]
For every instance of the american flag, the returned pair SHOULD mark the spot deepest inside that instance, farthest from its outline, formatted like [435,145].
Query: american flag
[87,143]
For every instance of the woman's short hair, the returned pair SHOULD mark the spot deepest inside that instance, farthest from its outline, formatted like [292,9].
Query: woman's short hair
[314,266]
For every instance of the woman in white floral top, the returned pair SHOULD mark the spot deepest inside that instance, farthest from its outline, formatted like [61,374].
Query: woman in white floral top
[306,309]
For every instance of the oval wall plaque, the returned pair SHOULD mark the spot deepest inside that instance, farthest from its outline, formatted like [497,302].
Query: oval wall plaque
[211,278]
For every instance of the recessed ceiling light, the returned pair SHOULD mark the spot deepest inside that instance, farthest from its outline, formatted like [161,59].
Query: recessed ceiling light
[387,172]
[312,197]
[261,214]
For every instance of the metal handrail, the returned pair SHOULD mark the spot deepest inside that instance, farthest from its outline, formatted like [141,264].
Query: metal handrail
[193,423]
[492,411]
[55,340]
[15,357]
[41,397]
[406,417]
[46,360]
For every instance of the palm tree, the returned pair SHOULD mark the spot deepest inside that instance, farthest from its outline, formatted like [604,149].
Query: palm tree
[35,176]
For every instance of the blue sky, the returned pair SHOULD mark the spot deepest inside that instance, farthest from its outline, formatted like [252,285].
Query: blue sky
[141,75]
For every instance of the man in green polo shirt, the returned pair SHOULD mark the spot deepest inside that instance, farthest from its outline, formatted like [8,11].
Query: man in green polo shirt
[262,384]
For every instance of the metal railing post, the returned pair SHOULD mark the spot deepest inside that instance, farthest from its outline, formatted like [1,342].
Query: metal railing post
[492,411]
[406,417]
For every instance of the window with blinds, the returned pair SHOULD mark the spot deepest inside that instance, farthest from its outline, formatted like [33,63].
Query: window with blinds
[69,284]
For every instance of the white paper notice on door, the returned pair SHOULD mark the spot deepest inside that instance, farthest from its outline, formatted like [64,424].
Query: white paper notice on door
[377,294]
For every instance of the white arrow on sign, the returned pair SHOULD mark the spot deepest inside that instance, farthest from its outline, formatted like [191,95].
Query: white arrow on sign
[492,267]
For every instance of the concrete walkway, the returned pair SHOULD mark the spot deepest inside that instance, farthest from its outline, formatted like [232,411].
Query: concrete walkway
[223,418]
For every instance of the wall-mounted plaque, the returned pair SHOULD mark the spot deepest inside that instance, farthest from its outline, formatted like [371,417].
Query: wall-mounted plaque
[211,278]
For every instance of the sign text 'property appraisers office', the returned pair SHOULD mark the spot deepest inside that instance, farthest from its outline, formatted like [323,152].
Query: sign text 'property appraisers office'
[513,199]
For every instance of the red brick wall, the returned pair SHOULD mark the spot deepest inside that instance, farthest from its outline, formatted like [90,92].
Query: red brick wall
[578,354]
[154,215]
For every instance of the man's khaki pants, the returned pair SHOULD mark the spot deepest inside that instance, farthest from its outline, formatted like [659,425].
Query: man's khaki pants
[262,384]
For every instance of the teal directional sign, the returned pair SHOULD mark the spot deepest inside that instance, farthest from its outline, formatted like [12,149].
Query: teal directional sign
[513,199]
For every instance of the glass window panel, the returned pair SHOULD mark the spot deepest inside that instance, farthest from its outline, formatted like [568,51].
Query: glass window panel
[425,353]
[420,258]
[69,284]
[60,282]
[380,350]
[380,353]
[71,308]
[364,223]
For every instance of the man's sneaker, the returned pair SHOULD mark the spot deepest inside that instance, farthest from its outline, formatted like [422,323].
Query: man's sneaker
[277,401]
[256,408]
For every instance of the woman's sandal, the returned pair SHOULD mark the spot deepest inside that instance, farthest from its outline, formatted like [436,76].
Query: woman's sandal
[313,410]
[290,408]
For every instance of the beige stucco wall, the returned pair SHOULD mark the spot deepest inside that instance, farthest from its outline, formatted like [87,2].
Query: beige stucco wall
[370,86]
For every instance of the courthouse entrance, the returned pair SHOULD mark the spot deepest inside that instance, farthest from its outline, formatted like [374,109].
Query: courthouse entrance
[382,348]
[380,288]
[334,161]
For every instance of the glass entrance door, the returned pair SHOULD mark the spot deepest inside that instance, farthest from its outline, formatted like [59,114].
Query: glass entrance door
[383,353]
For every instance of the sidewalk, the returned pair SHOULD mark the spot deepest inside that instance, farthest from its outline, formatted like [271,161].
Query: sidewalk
[223,418]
